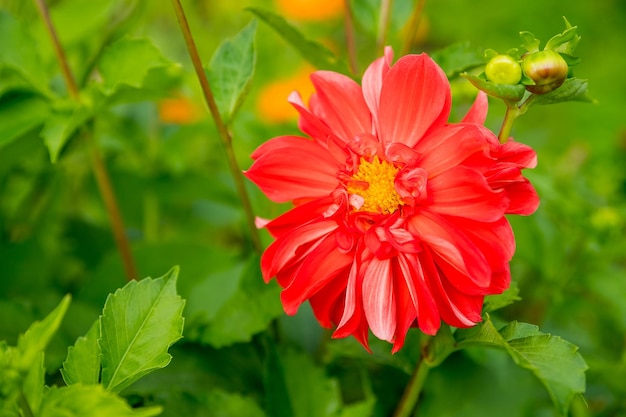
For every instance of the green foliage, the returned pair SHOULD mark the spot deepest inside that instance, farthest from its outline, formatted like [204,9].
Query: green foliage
[148,312]
[138,323]
[127,62]
[230,71]
[317,54]
[554,361]
[240,354]
[90,401]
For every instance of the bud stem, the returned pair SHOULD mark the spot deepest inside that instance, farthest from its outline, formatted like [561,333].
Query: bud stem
[513,111]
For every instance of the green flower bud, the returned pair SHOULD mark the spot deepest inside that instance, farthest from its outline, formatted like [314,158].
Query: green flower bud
[547,69]
[503,69]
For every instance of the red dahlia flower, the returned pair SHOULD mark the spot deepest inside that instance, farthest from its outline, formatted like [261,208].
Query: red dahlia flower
[399,215]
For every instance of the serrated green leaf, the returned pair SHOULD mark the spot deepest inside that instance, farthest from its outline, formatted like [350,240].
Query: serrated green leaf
[18,51]
[496,302]
[38,335]
[82,364]
[458,58]
[554,361]
[231,69]
[60,126]
[318,55]
[127,62]
[139,323]
[262,305]
[507,92]
[89,401]
[573,89]
[19,115]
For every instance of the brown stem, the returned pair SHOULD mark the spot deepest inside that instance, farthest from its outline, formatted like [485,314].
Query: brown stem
[222,129]
[58,50]
[349,34]
[414,24]
[98,166]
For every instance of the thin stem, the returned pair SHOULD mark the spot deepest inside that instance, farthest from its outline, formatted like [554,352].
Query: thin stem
[513,111]
[349,34]
[58,50]
[112,207]
[383,25]
[414,24]
[507,124]
[222,129]
[413,389]
[98,166]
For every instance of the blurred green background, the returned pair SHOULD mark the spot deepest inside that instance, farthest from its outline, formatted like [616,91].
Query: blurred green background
[180,207]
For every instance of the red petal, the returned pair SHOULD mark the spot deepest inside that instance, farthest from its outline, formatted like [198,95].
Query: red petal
[463,192]
[372,82]
[295,168]
[478,112]
[317,270]
[414,98]
[339,103]
[293,247]
[449,146]
[378,299]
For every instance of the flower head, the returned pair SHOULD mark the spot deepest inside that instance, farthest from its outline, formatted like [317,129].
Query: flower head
[398,216]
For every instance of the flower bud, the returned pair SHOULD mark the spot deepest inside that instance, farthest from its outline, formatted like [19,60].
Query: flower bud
[547,69]
[503,69]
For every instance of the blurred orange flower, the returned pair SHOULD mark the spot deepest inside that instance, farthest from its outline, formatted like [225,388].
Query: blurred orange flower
[272,103]
[310,9]
[178,110]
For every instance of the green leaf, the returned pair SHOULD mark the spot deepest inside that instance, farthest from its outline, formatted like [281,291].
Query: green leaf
[565,42]
[312,392]
[529,41]
[60,126]
[128,62]
[231,69]
[89,401]
[253,306]
[38,335]
[33,383]
[82,364]
[226,404]
[507,92]
[20,114]
[554,361]
[496,302]
[573,89]
[458,58]
[139,323]
[318,55]
[18,51]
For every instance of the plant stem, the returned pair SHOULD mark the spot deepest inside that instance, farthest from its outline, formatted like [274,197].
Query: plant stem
[509,118]
[513,111]
[222,129]
[97,164]
[383,25]
[413,389]
[349,34]
[58,50]
[414,24]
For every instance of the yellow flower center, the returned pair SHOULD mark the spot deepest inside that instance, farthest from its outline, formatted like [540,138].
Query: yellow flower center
[372,187]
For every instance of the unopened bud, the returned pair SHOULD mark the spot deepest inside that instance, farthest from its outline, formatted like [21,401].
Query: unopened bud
[503,69]
[547,69]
